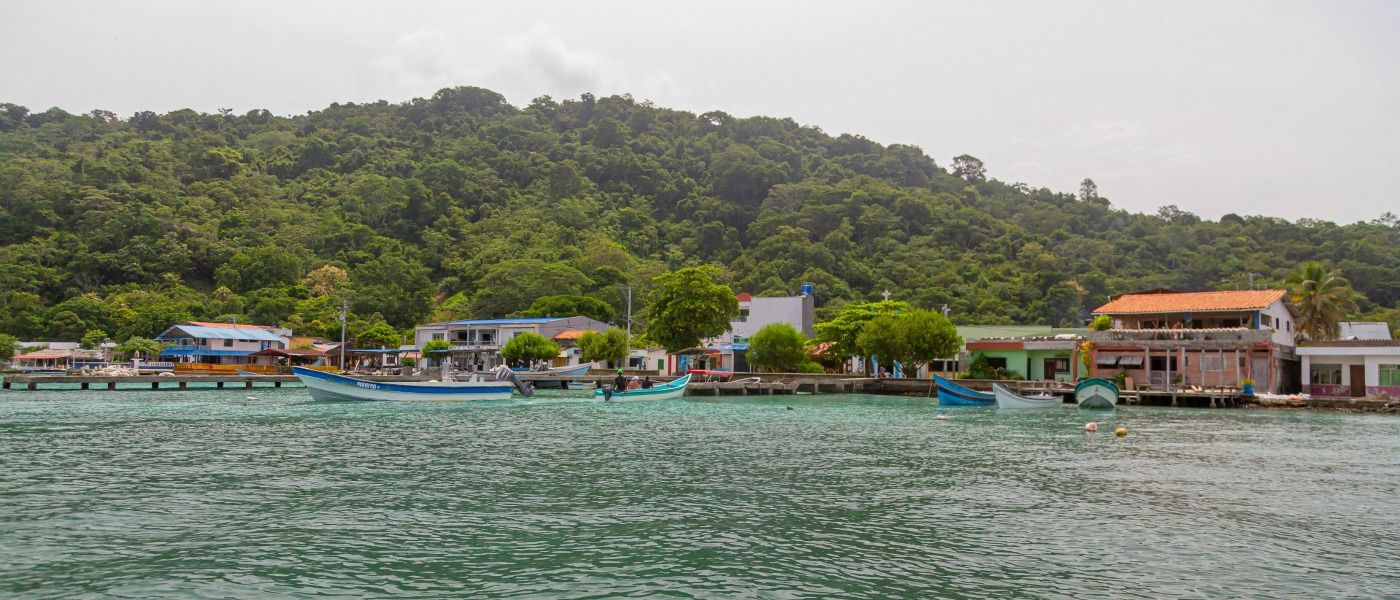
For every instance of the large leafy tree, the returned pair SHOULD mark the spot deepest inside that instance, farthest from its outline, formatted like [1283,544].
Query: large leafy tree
[779,347]
[529,347]
[514,285]
[912,338]
[609,346]
[8,345]
[569,306]
[687,306]
[378,335]
[843,330]
[135,347]
[1323,298]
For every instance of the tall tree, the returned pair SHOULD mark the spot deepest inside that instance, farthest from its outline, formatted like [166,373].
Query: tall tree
[1088,190]
[970,168]
[687,306]
[1323,298]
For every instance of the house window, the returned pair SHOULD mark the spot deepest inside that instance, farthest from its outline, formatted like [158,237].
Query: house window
[228,343]
[996,362]
[439,336]
[1390,375]
[1160,363]
[743,316]
[1267,321]
[1327,374]
[1213,363]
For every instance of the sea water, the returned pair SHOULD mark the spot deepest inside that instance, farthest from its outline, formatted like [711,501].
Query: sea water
[208,493]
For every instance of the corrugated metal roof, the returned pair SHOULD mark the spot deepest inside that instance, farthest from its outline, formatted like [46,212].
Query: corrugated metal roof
[219,333]
[1363,330]
[188,351]
[535,321]
[1129,304]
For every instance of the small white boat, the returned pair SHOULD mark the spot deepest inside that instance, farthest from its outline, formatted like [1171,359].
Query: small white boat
[1009,399]
[665,391]
[332,387]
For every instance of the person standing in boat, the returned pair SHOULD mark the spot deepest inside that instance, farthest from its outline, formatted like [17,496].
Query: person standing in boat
[619,382]
[646,382]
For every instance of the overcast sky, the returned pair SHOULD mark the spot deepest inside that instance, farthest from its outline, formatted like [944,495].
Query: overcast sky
[1278,108]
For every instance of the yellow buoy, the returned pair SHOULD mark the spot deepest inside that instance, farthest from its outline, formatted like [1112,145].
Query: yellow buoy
[1121,431]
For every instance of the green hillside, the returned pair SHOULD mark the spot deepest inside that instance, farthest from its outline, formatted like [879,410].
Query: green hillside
[463,205]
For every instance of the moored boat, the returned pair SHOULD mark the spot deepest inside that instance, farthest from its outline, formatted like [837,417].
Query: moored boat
[333,387]
[665,391]
[1009,399]
[1096,393]
[952,394]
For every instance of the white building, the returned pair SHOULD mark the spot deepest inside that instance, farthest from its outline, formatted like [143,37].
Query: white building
[474,340]
[219,343]
[728,351]
[1352,368]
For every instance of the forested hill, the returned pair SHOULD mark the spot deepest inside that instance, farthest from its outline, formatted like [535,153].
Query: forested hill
[463,205]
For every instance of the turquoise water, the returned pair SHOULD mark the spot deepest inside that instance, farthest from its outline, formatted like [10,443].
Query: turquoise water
[204,493]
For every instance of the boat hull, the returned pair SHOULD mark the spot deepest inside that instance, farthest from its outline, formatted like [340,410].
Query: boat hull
[329,387]
[1009,399]
[667,391]
[1096,393]
[952,394]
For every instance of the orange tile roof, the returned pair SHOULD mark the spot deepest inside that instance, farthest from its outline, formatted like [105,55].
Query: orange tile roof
[1175,302]
[571,334]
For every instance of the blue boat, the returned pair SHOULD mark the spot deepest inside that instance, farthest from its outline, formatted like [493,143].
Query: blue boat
[952,394]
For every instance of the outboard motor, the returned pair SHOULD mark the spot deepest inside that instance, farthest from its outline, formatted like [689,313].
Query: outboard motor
[503,373]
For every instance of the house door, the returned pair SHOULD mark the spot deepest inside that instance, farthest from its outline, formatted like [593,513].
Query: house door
[1358,381]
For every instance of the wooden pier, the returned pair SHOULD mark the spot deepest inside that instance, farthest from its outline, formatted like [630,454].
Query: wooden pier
[154,382]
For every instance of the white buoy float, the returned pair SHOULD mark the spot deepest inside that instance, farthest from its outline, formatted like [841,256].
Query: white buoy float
[1091,426]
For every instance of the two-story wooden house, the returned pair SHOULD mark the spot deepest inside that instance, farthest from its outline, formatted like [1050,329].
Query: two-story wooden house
[219,343]
[1165,338]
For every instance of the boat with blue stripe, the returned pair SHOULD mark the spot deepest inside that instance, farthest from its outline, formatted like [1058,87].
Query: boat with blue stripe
[952,394]
[333,387]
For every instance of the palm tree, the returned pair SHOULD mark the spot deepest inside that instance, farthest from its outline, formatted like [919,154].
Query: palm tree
[1323,298]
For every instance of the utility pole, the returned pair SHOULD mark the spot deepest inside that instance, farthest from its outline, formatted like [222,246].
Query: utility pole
[1251,279]
[344,307]
[629,314]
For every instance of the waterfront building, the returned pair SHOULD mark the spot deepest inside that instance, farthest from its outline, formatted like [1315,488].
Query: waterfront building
[1036,358]
[481,340]
[1167,339]
[728,351]
[58,359]
[199,342]
[1365,362]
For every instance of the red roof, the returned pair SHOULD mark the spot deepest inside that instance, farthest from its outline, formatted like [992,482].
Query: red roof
[1176,302]
[745,296]
[571,334]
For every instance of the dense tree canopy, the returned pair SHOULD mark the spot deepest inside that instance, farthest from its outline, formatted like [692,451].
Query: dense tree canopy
[462,205]
[688,306]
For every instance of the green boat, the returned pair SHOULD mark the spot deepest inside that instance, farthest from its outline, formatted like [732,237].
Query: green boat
[1096,393]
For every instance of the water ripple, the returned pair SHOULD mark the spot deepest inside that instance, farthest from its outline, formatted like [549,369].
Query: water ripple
[148,495]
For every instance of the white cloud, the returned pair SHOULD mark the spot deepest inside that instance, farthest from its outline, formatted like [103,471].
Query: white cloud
[531,63]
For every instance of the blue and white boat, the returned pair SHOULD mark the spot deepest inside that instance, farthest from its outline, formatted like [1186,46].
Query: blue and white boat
[952,394]
[1096,393]
[665,391]
[332,387]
